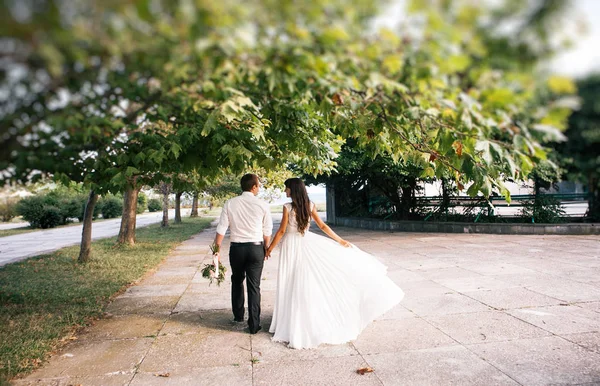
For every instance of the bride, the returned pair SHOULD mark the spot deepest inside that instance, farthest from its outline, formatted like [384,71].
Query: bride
[328,291]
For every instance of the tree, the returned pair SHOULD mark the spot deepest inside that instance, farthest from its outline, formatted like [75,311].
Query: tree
[147,100]
[458,98]
[165,188]
[263,84]
[580,154]
[373,186]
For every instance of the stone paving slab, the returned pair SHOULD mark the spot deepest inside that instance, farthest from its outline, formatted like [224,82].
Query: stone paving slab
[542,361]
[124,327]
[478,310]
[488,326]
[560,319]
[448,303]
[323,371]
[589,340]
[385,336]
[211,376]
[454,365]
[509,298]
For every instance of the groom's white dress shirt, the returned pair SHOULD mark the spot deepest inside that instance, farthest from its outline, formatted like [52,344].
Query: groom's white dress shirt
[248,217]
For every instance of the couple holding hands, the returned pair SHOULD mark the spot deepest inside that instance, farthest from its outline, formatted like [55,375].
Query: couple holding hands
[328,290]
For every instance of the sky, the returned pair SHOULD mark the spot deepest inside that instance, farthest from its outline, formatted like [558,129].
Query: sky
[584,58]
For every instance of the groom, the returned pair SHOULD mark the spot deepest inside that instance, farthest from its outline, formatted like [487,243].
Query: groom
[251,226]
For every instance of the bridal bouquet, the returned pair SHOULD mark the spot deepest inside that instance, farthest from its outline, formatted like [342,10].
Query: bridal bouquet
[215,271]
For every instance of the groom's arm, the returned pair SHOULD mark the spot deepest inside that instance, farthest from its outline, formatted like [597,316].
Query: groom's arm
[222,227]
[267,228]
[219,239]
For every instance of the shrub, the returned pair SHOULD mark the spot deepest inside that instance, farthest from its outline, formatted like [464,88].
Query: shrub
[71,207]
[50,217]
[112,207]
[142,203]
[543,209]
[154,205]
[8,210]
[31,208]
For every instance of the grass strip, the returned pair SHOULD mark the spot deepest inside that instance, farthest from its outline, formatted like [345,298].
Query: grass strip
[17,231]
[44,299]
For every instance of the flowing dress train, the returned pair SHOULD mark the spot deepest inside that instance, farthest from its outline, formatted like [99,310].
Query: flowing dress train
[327,293]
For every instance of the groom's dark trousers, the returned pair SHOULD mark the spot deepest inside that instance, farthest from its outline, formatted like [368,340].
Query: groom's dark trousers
[246,260]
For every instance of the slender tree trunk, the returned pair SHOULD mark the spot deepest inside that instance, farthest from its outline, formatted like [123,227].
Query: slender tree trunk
[165,220]
[86,234]
[445,204]
[406,202]
[178,207]
[594,199]
[194,212]
[128,219]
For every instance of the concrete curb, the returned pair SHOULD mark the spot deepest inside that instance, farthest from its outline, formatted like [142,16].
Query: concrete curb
[456,227]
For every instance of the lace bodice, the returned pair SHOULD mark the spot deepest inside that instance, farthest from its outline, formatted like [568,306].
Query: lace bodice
[292,223]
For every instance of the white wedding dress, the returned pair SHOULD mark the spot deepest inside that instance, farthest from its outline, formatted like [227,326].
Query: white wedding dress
[326,293]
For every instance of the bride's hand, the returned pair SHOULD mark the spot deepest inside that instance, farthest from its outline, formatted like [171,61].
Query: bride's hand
[345,243]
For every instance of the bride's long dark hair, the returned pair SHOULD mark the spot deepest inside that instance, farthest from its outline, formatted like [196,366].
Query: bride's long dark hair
[300,202]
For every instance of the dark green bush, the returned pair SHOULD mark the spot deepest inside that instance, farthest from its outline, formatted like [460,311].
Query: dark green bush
[50,217]
[142,203]
[32,208]
[71,207]
[112,207]
[154,205]
[57,208]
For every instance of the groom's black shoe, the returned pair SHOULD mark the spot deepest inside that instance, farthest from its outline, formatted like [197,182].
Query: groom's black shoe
[255,331]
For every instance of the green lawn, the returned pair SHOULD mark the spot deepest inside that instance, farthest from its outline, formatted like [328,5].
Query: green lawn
[15,231]
[44,299]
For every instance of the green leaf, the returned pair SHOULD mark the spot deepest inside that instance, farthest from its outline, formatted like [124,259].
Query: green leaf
[209,125]
[483,148]
[130,171]
[175,149]
[429,172]
[561,85]
[392,64]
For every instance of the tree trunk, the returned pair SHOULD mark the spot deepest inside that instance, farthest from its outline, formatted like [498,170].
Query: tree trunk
[406,201]
[178,207]
[165,220]
[128,219]
[194,212]
[445,204]
[86,234]
[593,199]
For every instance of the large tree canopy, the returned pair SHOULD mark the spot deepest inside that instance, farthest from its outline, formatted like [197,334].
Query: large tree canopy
[140,89]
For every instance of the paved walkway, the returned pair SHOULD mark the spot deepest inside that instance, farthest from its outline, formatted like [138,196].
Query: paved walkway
[21,246]
[479,310]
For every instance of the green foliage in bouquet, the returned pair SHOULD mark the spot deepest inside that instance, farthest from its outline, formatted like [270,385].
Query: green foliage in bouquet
[208,270]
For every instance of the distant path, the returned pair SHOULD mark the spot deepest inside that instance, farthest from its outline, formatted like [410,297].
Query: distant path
[13,225]
[21,246]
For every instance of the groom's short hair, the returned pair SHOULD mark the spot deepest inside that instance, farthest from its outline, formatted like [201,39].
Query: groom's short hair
[248,181]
